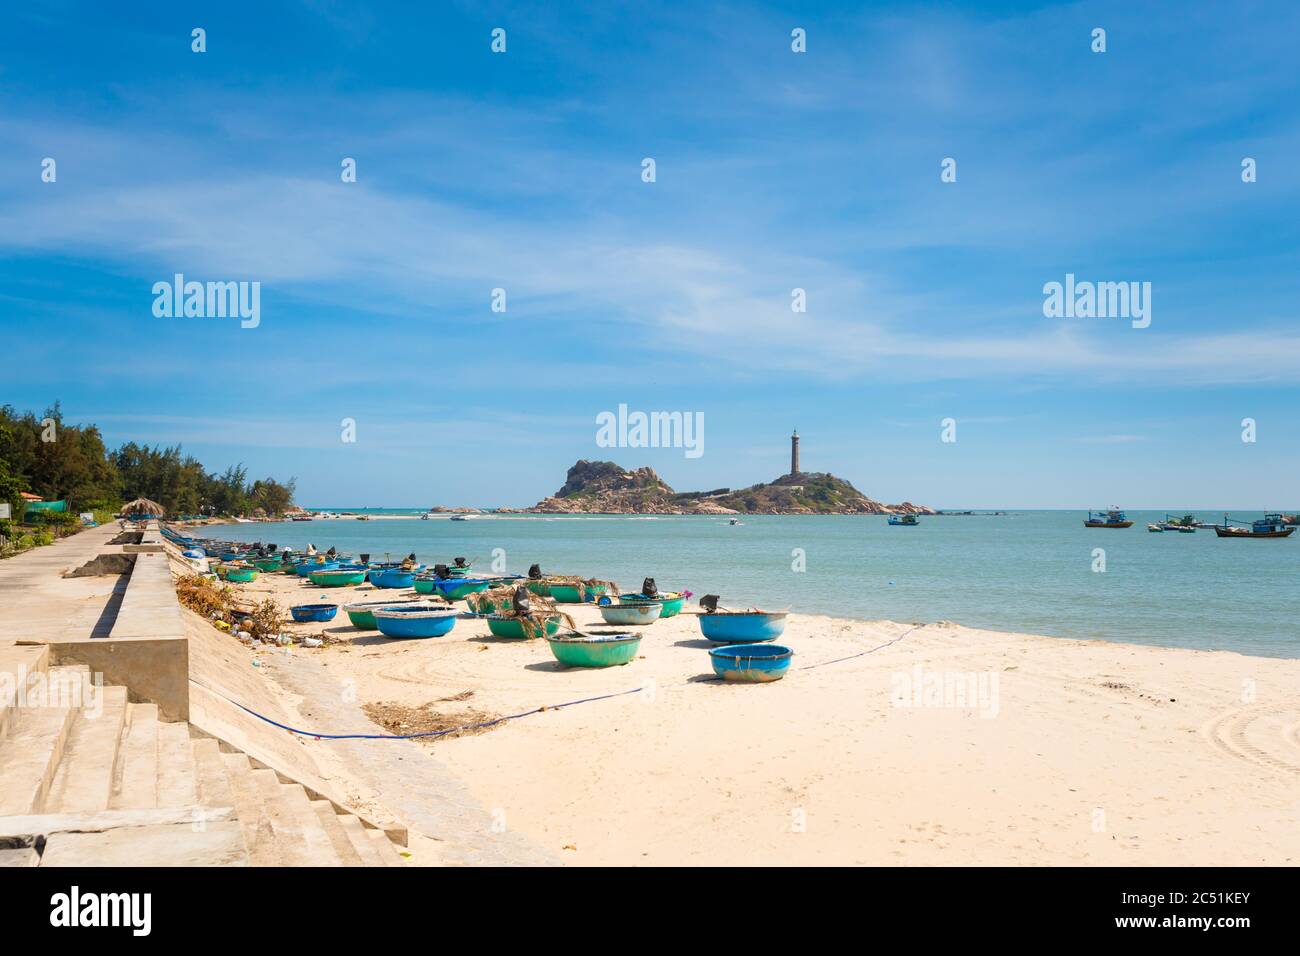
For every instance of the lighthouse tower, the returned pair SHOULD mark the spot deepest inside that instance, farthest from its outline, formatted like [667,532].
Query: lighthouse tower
[794,453]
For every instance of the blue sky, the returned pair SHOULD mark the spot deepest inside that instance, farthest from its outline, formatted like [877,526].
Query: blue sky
[775,170]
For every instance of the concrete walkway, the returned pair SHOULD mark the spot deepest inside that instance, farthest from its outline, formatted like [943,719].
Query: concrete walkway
[38,604]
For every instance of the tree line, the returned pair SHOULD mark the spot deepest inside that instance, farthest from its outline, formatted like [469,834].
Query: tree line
[48,457]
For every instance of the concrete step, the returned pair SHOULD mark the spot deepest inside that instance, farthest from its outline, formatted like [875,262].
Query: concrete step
[299,837]
[19,662]
[177,773]
[329,821]
[365,847]
[83,782]
[136,783]
[20,856]
[251,808]
[384,846]
[29,758]
[214,784]
[217,843]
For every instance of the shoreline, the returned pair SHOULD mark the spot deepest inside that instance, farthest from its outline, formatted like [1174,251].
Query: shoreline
[689,771]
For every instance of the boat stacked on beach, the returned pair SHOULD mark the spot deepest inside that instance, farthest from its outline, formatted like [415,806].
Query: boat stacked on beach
[743,648]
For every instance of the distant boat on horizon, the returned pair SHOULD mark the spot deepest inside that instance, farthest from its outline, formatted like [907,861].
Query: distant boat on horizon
[1113,518]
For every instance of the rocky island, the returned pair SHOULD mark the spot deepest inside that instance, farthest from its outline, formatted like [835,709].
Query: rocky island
[604,487]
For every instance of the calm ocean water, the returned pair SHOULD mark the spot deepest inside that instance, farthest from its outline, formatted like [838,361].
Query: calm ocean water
[1027,571]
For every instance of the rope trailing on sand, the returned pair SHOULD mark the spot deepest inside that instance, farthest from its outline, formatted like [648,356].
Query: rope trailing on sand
[427,733]
[526,713]
[917,627]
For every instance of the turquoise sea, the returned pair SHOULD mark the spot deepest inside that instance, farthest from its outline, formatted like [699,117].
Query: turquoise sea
[1028,571]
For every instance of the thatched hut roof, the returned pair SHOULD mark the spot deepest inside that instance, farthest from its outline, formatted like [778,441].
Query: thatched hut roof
[144,506]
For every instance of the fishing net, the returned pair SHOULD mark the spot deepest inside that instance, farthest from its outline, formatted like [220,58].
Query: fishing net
[516,603]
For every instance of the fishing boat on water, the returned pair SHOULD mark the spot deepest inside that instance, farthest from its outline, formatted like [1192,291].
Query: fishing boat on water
[1269,526]
[906,520]
[1112,518]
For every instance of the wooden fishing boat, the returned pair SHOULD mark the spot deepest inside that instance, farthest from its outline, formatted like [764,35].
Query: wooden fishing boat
[906,520]
[416,619]
[1155,528]
[594,650]
[1112,518]
[1269,526]
[751,663]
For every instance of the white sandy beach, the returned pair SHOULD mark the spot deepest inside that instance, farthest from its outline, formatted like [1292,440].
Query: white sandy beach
[1083,752]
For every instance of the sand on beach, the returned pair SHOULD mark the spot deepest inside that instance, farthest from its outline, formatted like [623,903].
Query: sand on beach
[938,745]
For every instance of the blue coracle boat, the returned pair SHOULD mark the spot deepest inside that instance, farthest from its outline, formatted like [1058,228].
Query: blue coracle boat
[743,627]
[751,663]
[393,578]
[415,620]
[303,613]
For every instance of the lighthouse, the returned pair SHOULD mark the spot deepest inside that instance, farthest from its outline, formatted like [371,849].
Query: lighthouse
[794,453]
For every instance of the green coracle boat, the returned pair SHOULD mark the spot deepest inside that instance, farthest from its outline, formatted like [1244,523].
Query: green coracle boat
[513,627]
[236,575]
[338,578]
[362,613]
[267,564]
[479,604]
[672,601]
[574,594]
[597,650]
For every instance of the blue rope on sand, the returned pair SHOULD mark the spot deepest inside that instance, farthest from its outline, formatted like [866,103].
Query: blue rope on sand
[428,733]
[526,713]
